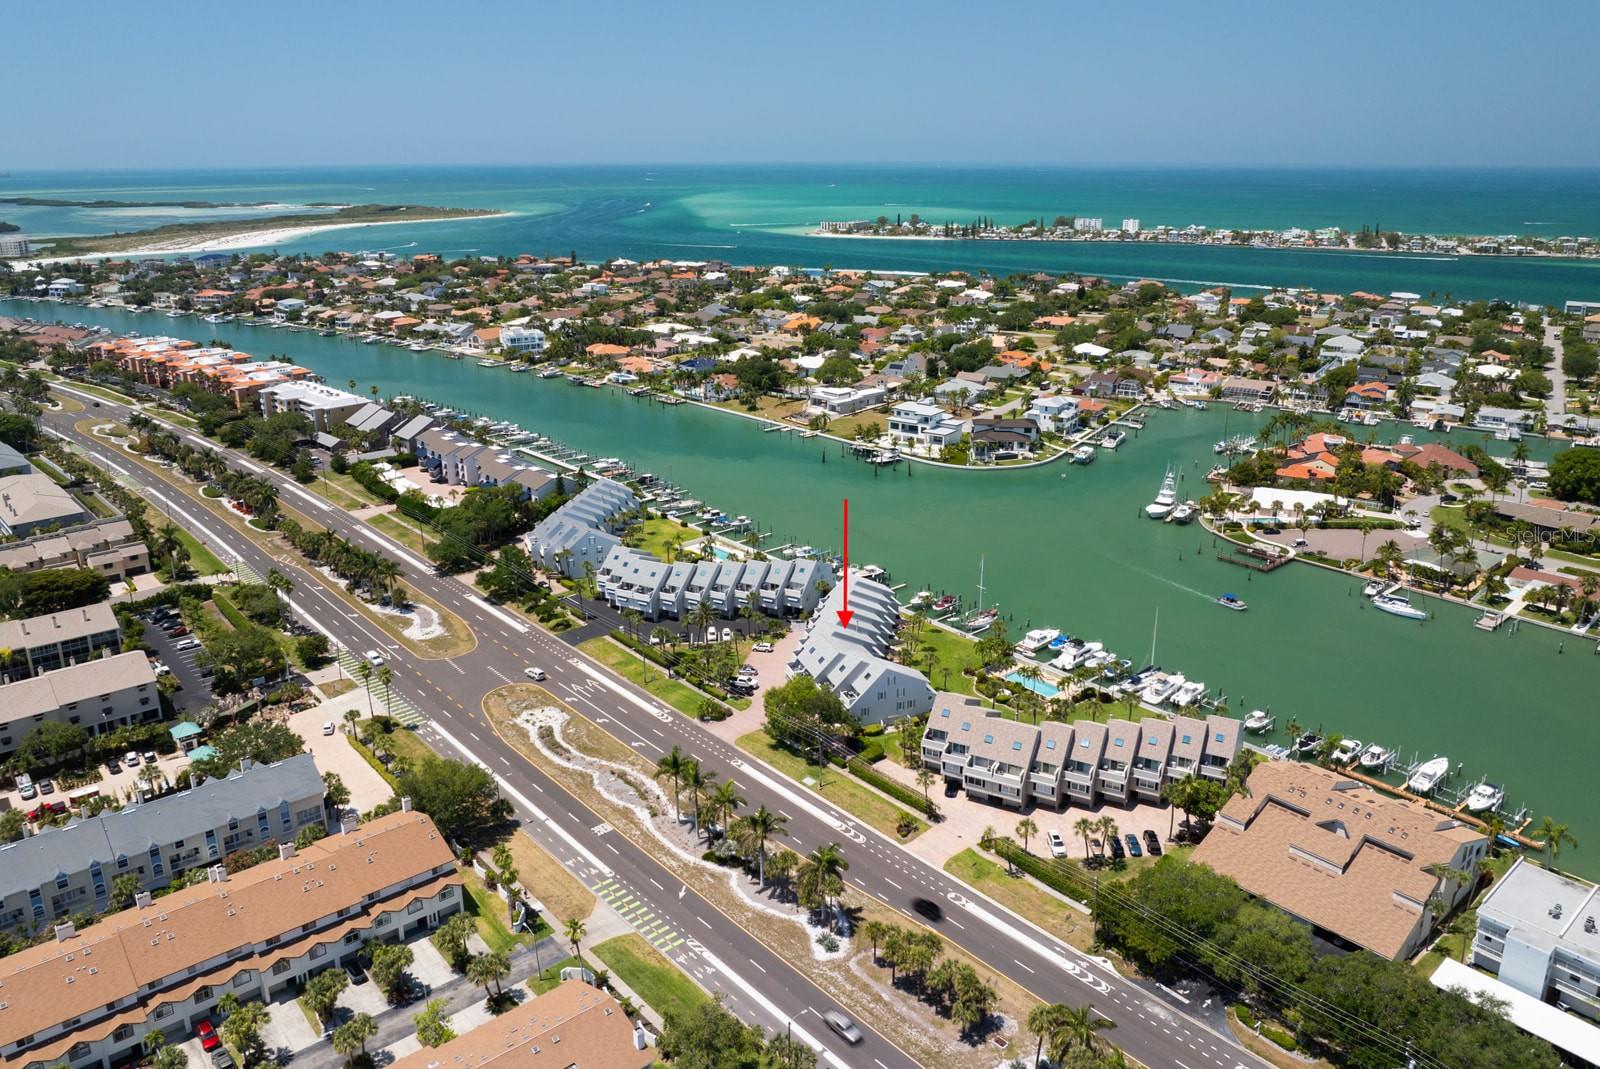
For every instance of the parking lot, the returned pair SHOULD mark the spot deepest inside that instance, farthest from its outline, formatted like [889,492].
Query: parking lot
[182,657]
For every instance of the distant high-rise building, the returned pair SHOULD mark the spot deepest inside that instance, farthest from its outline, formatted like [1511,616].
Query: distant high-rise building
[1094,225]
[1130,226]
[13,245]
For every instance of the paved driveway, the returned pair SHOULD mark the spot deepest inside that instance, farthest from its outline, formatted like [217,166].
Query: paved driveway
[287,1029]
[333,753]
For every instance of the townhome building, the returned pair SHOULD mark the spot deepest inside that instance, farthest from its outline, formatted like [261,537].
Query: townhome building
[853,661]
[325,406]
[583,530]
[91,998]
[98,696]
[68,870]
[574,1026]
[1539,932]
[1084,762]
[105,547]
[54,640]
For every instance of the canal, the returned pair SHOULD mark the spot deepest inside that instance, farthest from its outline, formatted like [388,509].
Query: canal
[1067,546]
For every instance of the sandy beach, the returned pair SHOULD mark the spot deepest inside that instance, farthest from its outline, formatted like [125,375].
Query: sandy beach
[249,239]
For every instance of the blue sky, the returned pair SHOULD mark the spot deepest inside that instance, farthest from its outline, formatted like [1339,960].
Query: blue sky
[1422,82]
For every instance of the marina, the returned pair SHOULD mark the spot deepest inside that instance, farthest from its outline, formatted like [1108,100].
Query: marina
[1066,554]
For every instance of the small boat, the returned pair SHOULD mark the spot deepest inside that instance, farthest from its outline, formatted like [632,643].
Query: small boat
[1199,405]
[1374,756]
[1166,498]
[1183,513]
[371,339]
[447,356]
[1113,440]
[488,363]
[947,603]
[920,598]
[1188,694]
[1307,744]
[1232,601]
[1397,605]
[324,333]
[1426,776]
[418,347]
[519,369]
[1485,797]
[1373,589]
[1347,750]
[1084,454]
[1259,721]
[1163,688]
[550,373]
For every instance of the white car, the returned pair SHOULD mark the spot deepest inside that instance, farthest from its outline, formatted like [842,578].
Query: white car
[1058,848]
[727,634]
[130,758]
[327,727]
[761,647]
[374,658]
[535,674]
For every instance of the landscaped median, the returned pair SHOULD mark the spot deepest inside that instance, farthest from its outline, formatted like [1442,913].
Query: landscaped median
[618,786]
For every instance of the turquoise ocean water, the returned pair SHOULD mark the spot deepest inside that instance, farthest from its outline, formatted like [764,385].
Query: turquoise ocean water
[757,215]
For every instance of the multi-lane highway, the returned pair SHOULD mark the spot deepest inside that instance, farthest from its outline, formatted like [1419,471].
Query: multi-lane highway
[759,986]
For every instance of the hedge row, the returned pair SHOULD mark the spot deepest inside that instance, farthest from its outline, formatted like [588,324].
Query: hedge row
[894,789]
[1063,876]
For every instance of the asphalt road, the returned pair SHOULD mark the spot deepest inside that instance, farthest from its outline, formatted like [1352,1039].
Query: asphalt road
[1153,1027]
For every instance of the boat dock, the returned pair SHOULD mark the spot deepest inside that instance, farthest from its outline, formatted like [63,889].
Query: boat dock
[1256,558]
[1440,807]
[1489,621]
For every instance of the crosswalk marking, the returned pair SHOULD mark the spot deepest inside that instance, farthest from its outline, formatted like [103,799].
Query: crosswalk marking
[398,705]
[655,931]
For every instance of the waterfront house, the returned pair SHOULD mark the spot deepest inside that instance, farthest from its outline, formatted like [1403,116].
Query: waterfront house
[1235,388]
[997,437]
[917,423]
[1059,414]
[1361,868]
[844,400]
[582,531]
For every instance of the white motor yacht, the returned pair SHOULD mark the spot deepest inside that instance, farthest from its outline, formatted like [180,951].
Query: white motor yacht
[1166,498]
[1163,688]
[1426,776]
[1189,693]
[1347,750]
[1374,756]
[1485,797]
[1259,721]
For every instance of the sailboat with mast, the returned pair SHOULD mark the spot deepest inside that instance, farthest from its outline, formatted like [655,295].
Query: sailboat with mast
[981,620]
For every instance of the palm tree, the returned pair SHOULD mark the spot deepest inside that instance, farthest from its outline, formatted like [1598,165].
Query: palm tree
[1085,828]
[925,778]
[1046,1022]
[386,677]
[701,617]
[674,764]
[489,969]
[1026,829]
[350,718]
[278,582]
[364,670]
[821,877]
[721,804]
[1080,1028]
[697,781]
[350,1038]
[1554,836]
[752,833]
[1108,828]
[575,931]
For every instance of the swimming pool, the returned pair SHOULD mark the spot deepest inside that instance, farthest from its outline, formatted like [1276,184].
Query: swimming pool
[1038,686]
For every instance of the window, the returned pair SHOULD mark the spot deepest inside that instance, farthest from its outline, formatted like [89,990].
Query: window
[76,1051]
[415,907]
[1221,737]
[280,967]
[61,881]
[318,951]
[203,993]
[244,978]
[123,1032]
[163,1011]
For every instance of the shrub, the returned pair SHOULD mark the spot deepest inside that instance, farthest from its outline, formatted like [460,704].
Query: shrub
[1246,1018]
[1280,1037]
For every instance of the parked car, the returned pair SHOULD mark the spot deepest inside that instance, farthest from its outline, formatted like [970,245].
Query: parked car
[130,759]
[1115,845]
[221,1059]
[762,647]
[149,757]
[207,1035]
[843,1025]
[177,632]
[113,765]
[951,788]
[374,658]
[46,787]
[26,788]
[1134,850]
[1152,843]
[727,634]
[185,645]
[327,727]
[1058,846]
[535,674]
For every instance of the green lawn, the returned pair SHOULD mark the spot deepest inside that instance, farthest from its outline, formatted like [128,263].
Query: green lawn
[653,978]
[954,654]
[347,484]
[550,978]
[1022,895]
[834,784]
[100,391]
[401,531]
[336,494]
[655,536]
[489,912]
[201,559]
[680,696]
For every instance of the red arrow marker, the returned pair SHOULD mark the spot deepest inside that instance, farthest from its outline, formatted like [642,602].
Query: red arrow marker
[845,614]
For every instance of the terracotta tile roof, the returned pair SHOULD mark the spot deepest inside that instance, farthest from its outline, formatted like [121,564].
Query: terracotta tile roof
[1334,852]
[574,1026]
[78,976]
